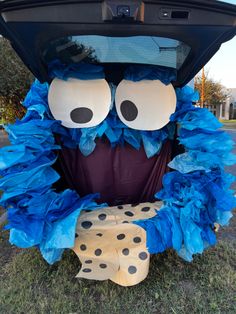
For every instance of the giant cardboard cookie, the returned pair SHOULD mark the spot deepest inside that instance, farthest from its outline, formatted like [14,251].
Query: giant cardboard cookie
[110,246]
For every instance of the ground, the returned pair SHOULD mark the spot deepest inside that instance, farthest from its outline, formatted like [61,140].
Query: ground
[207,285]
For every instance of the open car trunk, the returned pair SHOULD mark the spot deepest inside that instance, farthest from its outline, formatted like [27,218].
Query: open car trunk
[112,70]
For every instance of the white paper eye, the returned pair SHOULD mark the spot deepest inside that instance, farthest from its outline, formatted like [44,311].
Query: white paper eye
[145,105]
[79,103]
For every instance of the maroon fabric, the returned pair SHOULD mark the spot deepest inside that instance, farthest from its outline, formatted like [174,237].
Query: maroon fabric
[121,175]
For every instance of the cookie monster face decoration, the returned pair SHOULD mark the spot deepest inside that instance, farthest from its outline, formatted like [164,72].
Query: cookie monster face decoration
[142,105]
[97,168]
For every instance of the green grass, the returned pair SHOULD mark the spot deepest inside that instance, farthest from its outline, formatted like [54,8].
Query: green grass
[208,285]
[228,121]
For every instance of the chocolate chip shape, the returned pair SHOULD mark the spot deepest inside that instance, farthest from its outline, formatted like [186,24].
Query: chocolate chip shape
[87,270]
[89,261]
[125,222]
[125,251]
[103,266]
[137,240]
[120,207]
[128,213]
[143,256]
[83,247]
[99,234]
[76,235]
[102,216]
[121,236]
[98,252]
[86,224]
[132,270]
[129,110]
[145,209]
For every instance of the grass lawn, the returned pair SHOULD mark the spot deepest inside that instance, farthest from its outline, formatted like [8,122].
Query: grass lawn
[208,285]
[228,121]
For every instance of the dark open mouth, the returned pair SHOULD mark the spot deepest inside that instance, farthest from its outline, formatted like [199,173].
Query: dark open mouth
[121,174]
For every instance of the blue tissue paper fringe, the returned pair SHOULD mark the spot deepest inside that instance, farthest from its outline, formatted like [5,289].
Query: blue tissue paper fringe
[27,176]
[138,73]
[197,194]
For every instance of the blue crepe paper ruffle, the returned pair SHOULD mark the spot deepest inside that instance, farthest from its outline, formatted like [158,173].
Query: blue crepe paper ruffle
[82,71]
[138,73]
[37,215]
[195,195]
[198,194]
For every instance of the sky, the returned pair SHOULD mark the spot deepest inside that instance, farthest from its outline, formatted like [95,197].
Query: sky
[222,66]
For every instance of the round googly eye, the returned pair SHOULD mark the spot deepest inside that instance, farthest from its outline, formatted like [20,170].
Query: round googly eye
[145,105]
[79,103]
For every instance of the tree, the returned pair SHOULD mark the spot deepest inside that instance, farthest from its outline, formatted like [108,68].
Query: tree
[15,80]
[214,92]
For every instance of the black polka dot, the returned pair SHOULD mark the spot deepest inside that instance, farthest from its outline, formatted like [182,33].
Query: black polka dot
[88,261]
[98,252]
[121,236]
[125,251]
[132,270]
[99,234]
[145,209]
[134,205]
[87,270]
[86,224]
[81,115]
[137,240]
[128,213]
[102,216]
[83,247]
[143,256]
[120,207]
[129,110]
[103,266]
[125,222]
[76,235]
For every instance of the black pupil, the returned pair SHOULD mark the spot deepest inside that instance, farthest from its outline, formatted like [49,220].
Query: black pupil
[129,110]
[81,115]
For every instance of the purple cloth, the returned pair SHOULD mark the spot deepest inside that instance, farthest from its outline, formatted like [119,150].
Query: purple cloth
[122,175]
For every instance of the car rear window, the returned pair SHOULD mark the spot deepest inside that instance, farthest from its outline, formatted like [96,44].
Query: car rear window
[103,49]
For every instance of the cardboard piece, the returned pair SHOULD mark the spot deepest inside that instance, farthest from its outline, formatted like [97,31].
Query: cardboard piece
[145,105]
[110,246]
[79,103]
